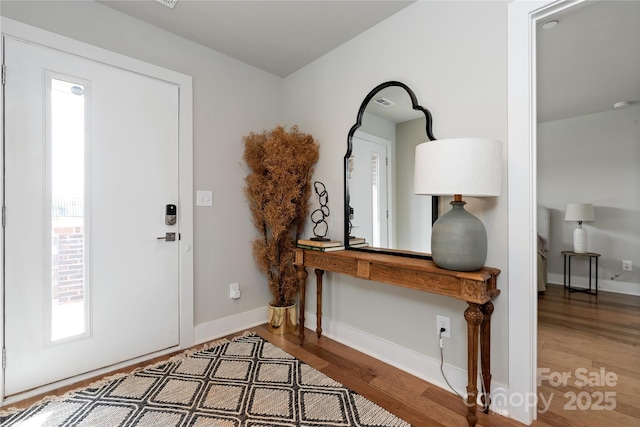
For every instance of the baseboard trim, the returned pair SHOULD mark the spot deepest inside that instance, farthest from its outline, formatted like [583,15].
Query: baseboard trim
[417,364]
[625,288]
[215,329]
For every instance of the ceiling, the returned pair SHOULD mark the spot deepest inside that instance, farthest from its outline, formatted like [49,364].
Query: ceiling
[276,36]
[588,62]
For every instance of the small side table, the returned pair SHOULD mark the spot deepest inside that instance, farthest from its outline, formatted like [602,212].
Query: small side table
[567,270]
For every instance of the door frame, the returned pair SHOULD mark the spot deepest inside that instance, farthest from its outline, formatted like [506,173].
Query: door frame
[523,302]
[18,30]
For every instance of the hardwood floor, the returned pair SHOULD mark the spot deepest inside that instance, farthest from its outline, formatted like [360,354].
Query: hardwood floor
[594,340]
[575,332]
[412,399]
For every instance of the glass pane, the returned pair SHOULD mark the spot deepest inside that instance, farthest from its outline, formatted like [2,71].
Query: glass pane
[68,287]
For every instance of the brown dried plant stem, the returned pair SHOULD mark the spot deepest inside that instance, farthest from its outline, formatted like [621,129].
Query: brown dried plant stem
[278,187]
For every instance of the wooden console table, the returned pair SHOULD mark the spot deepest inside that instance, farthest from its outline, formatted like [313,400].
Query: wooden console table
[477,288]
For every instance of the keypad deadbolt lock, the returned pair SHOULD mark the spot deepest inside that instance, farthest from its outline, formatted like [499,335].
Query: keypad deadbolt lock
[170,215]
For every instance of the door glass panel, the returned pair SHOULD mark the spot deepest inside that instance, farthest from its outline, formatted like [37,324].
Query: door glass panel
[68,286]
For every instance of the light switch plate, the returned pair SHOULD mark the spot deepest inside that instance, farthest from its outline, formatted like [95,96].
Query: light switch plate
[204,198]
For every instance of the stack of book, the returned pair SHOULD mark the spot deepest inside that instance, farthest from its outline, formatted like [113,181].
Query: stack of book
[319,245]
[358,242]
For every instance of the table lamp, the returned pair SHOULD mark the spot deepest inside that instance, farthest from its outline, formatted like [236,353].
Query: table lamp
[462,166]
[579,212]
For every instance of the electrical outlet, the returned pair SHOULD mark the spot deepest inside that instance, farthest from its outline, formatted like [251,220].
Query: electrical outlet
[627,265]
[234,290]
[443,322]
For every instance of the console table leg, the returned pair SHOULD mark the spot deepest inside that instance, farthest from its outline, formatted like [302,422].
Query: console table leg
[302,282]
[474,318]
[319,274]
[485,354]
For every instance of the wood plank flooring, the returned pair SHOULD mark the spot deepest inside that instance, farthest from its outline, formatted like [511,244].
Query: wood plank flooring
[589,339]
[574,332]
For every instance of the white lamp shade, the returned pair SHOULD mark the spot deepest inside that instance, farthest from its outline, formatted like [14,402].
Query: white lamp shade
[465,166]
[579,212]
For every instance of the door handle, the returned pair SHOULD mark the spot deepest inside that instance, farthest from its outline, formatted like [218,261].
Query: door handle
[169,237]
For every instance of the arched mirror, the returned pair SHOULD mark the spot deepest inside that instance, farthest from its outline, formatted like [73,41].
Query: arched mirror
[380,207]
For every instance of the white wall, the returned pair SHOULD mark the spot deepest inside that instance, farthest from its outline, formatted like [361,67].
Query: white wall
[413,211]
[594,159]
[230,100]
[453,56]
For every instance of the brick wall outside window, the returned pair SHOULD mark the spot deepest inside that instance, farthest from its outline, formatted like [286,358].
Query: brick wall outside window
[68,264]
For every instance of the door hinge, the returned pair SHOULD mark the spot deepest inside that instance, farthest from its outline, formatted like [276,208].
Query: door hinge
[4,359]
[4,216]
[4,74]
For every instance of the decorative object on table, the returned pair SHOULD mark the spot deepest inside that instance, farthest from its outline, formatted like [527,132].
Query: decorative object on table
[321,248]
[318,216]
[462,166]
[320,245]
[350,164]
[358,242]
[350,224]
[359,245]
[247,381]
[579,212]
[278,187]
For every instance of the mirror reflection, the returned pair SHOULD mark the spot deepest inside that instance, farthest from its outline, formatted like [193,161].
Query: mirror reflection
[380,206]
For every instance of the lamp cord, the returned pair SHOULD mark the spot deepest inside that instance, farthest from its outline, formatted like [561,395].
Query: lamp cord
[442,365]
[482,390]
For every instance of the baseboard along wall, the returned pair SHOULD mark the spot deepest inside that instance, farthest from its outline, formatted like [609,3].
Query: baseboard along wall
[417,364]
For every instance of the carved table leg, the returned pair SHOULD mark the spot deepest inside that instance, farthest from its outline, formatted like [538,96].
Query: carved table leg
[302,282]
[474,317]
[319,274]
[485,354]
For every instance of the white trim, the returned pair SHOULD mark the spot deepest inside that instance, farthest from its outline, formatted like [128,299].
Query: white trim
[410,361]
[185,210]
[618,286]
[521,48]
[229,325]
[2,351]
[185,141]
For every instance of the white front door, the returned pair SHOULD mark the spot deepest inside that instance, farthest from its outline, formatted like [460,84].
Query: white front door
[91,161]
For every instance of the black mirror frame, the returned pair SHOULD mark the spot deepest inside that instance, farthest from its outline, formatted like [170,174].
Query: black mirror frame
[347,198]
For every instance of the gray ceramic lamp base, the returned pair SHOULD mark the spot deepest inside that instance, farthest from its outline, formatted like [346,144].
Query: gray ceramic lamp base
[459,240]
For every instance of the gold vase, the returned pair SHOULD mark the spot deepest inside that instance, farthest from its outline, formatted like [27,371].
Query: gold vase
[282,320]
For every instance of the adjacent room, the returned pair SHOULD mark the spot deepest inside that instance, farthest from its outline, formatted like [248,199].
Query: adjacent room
[587,149]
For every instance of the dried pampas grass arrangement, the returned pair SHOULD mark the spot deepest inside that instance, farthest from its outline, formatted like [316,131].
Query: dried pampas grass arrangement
[278,187]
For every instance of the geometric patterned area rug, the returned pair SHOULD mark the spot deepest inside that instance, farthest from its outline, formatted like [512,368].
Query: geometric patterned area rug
[246,382]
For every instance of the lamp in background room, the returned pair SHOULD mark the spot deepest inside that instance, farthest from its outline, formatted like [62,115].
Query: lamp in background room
[459,167]
[579,212]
